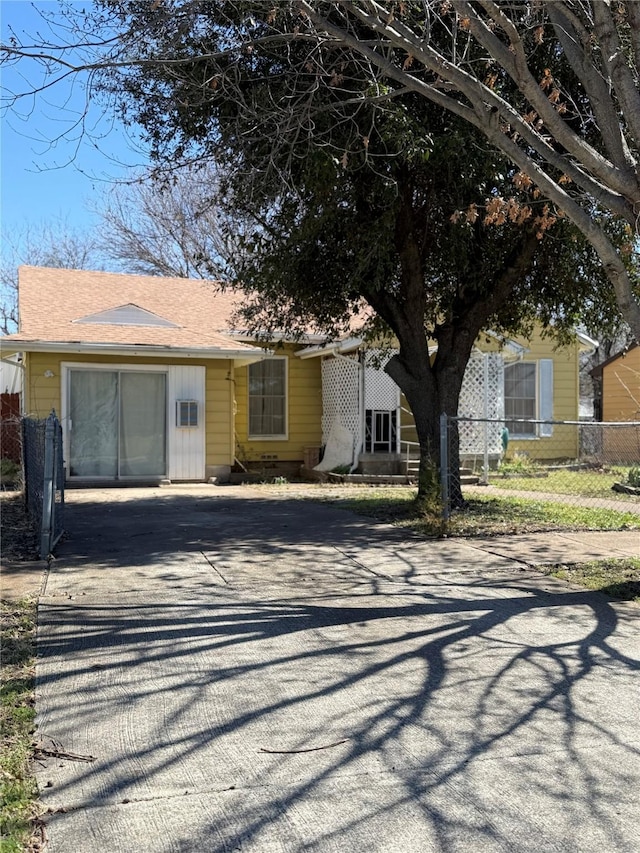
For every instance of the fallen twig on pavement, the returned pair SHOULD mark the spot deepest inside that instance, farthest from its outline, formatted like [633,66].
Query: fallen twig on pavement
[308,749]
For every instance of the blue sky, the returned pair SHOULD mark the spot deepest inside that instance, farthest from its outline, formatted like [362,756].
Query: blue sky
[45,180]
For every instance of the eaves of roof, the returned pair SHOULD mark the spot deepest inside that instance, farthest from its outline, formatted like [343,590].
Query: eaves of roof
[334,348]
[351,344]
[241,355]
[586,343]
[273,337]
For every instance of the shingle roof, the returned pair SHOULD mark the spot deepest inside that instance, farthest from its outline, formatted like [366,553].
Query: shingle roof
[56,306]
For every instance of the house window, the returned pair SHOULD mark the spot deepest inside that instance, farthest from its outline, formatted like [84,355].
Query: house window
[380,431]
[520,398]
[186,413]
[268,398]
[528,393]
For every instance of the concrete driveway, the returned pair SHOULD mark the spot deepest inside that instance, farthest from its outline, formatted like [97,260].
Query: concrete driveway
[223,671]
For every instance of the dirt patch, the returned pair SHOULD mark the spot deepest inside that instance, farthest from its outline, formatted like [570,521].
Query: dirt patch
[21,571]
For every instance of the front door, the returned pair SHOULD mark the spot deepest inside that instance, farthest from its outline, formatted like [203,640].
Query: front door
[117,423]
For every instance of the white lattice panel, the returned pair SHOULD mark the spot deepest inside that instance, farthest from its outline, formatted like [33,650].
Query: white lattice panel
[380,391]
[341,397]
[482,396]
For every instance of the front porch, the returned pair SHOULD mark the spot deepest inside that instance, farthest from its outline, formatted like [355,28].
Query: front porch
[368,430]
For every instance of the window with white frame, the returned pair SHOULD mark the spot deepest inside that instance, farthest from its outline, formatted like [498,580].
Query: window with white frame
[268,398]
[528,396]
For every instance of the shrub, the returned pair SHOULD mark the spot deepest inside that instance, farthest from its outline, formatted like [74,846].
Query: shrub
[519,463]
[10,471]
[633,477]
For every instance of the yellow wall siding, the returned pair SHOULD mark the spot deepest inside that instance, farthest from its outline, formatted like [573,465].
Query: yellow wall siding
[563,443]
[621,388]
[564,440]
[219,413]
[224,385]
[304,412]
[43,394]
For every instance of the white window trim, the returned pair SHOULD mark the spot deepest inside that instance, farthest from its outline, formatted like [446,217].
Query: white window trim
[65,370]
[540,428]
[524,436]
[285,435]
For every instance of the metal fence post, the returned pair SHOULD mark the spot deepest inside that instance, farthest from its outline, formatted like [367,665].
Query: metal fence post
[485,469]
[48,491]
[25,463]
[54,481]
[444,465]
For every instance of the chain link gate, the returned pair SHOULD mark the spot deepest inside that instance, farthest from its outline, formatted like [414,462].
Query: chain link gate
[44,479]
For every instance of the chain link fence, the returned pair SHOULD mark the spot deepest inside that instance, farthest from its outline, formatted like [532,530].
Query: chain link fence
[43,468]
[581,463]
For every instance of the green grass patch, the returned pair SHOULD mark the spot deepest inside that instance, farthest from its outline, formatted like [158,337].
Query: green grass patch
[484,516]
[618,578]
[495,516]
[593,483]
[18,792]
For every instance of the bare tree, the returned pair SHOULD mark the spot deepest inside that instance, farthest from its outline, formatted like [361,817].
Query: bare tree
[49,244]
[551,83]
[173,225]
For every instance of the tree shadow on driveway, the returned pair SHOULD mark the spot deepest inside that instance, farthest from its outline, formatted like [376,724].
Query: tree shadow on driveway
[384,704]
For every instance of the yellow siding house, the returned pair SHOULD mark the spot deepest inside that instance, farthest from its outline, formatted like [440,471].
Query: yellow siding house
[618,379]
[153,381]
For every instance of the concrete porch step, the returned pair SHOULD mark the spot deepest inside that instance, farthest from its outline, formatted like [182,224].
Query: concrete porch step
[467,477]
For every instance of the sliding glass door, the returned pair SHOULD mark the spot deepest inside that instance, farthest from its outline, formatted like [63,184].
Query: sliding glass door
[143,421]
[117,423]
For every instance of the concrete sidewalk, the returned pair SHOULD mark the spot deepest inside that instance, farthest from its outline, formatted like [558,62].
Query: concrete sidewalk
[222,671]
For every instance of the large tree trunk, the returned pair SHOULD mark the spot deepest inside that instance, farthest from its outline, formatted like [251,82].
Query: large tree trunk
[417,384]
[430,393]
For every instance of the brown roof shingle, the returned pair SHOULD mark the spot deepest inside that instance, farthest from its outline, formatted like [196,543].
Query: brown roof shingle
[52,301]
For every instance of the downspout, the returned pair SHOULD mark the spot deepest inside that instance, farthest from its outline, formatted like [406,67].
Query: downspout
[362,408]
[485,381]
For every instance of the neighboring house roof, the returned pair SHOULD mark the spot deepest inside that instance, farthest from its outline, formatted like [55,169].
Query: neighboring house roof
[596,371]
[70,310]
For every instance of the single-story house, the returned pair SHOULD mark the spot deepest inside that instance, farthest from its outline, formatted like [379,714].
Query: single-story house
[152,381]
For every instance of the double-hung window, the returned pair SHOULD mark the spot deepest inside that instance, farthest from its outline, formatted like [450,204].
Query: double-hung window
[528,396]
[268,398]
